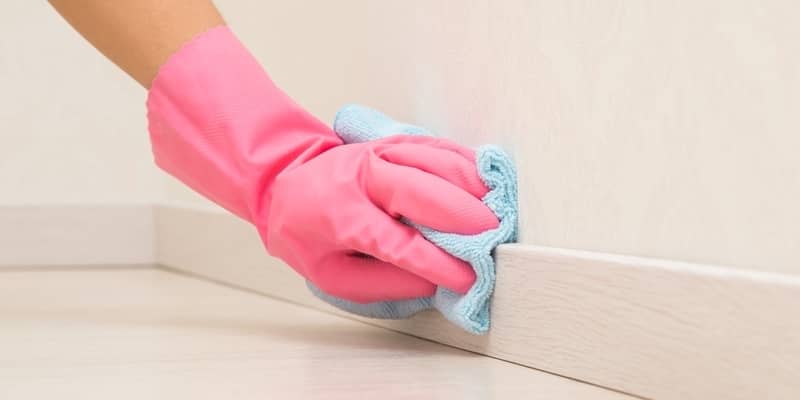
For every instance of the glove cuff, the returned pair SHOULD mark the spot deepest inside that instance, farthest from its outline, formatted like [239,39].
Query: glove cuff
[221,126]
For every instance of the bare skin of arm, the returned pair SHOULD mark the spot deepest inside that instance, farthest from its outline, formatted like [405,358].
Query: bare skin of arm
[139,36]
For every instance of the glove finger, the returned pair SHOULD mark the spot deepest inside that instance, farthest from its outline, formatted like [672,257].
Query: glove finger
[385,238]
[426,199]
[448,165]
[365,279]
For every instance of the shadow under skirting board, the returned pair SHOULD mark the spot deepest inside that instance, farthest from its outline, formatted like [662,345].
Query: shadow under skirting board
[653,328]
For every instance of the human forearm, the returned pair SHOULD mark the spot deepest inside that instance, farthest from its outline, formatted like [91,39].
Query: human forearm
[139,35]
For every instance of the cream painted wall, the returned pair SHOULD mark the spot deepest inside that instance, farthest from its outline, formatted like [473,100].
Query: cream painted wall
[73,127]
[664,129]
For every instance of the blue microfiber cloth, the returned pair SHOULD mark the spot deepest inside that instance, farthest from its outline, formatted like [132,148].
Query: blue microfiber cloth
[355,124]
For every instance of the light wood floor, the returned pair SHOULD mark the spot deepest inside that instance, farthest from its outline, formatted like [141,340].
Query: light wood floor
[152,334]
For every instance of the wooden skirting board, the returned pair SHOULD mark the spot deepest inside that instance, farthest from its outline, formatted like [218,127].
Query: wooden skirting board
[653,328]
[76,234]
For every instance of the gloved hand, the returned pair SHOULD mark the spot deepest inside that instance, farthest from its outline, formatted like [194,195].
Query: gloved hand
[219,124]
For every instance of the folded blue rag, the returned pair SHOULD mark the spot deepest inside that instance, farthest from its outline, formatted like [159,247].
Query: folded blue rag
[355,124]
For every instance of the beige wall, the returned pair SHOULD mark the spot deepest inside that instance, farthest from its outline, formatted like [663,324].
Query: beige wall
[648,128]
[640,127]
[73,128]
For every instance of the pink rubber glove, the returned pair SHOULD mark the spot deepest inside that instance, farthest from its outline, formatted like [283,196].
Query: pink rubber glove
[219,124]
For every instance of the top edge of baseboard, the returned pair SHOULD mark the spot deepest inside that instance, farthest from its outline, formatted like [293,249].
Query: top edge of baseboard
[686,267]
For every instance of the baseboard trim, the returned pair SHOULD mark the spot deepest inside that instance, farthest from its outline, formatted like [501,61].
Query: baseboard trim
[52,235]
[654,328]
